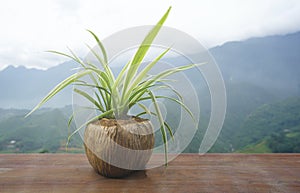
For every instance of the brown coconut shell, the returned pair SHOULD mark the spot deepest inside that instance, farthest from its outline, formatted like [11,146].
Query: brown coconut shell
[113,146]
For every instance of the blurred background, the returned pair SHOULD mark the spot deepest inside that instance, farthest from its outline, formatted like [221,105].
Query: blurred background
[255,43]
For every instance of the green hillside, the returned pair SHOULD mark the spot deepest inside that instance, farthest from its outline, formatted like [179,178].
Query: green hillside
[261,147]
[272,128]
[256,128]
[243,99]
[45,131]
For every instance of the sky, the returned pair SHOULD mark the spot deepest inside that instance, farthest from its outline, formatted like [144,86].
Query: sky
[29,28]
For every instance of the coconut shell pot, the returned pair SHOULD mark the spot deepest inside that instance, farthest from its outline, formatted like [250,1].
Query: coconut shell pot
[116,148]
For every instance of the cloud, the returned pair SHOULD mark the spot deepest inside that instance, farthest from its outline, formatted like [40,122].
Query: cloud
[30,27]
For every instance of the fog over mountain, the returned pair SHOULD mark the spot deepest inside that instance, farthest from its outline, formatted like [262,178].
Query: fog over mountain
[271,64]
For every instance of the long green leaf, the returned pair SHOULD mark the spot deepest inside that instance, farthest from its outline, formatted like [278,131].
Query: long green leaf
[101,89]
[139,92]
[172,99]
[164,74]
[59,87]
[181,104]
[147,111]
[143,113]
[104,65]
[103,76]
[105,61]
[170,130]
[162,125]
[143,74]
[142,50]
[100,45]
[77,59]
[144,108]
[120,76]
[169,87]
[63,54]
[89,98]
[93,86]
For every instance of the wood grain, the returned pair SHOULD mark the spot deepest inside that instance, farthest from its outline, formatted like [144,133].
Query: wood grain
[187,173]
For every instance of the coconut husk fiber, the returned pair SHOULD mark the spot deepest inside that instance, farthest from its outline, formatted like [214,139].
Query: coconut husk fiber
[116,148]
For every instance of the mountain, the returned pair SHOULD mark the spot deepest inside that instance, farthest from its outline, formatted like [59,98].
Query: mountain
[257,71]
[271,63]
[24,88]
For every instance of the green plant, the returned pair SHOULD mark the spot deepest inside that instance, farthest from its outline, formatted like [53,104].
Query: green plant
[115,96]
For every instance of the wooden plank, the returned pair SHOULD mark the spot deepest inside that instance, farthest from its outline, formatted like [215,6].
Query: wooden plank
[187,173]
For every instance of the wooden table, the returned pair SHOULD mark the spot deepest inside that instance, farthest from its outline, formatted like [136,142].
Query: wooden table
[187,173]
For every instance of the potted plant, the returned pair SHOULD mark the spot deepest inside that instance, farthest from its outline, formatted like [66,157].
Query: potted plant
[113,129]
